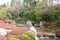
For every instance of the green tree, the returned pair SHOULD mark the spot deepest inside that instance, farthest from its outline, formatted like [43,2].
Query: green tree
[30,3]
[4,12]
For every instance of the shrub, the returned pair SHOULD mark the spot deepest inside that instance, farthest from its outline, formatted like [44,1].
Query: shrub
[20,25]
[13,38]
[24,37]
[4,12]
[29,34]
[58,23]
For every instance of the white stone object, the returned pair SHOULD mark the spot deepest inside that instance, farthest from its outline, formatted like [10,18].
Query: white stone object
[4,32]
[32,29]
[42,25]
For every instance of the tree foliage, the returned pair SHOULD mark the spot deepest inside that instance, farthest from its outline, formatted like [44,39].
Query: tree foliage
[4,12]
